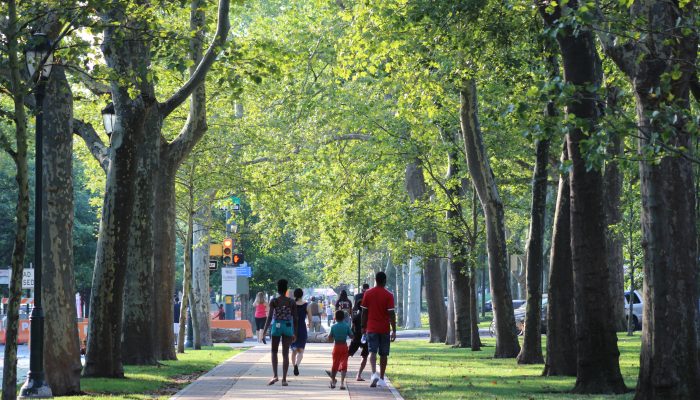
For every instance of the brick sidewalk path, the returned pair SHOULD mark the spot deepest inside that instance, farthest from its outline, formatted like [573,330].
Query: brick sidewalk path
[245,376]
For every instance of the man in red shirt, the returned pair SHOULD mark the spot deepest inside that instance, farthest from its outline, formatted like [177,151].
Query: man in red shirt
[377,314]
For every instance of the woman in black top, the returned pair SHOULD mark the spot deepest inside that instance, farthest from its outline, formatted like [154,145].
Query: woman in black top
[282,321]
[344,304]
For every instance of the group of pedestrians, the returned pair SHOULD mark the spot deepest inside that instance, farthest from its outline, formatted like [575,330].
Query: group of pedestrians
[370,324]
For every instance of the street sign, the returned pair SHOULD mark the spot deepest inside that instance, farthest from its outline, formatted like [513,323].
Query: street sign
[212,265]
[228,280]
[4,276]
[28,278]
[235,200]
[244,270]
[236,207]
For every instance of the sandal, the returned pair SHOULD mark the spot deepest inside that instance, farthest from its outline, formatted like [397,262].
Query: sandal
[284,383]
[360,379]
[342,388]
[272,381]
[332,386]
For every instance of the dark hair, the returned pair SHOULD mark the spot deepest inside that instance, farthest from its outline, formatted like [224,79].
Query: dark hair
[298,293]
[343,295]
[221,305]
[365,286]
[339,315]
[282,286]
[313,298]
[380,278]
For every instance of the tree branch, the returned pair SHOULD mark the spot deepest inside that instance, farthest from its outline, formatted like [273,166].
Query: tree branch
[96,87]
[200,73]
[93,142]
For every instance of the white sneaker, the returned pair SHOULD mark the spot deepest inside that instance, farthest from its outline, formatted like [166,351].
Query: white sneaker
[374,380]
[381,383]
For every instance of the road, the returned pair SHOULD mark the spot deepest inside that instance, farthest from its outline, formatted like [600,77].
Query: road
[22,362]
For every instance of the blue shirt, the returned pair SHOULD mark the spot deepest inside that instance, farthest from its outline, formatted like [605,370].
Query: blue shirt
[340,332]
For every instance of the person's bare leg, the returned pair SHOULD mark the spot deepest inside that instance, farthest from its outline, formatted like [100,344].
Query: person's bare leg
[363,363]
[294,357]
[300,355]
[382,366]
[275,348]
[373,362]
[342,379]
[286,341]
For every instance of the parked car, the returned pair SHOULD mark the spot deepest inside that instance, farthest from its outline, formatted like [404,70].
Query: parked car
[520,316]
[518,304]
[637,308]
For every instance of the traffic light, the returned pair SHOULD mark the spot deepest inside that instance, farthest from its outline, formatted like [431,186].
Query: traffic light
[227,251]
[238,259]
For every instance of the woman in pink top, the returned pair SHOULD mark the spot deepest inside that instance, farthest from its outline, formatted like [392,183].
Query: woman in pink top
[261,308]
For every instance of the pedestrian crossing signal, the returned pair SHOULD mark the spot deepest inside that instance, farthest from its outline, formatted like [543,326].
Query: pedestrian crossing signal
[238,259]
[227,251]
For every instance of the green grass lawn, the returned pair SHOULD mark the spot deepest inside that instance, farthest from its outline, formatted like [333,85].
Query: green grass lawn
[421,370]
[159,382]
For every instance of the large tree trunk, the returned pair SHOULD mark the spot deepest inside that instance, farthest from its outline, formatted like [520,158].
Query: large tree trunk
[186,281]
[485,184]
[531,352]
[19,156]
[561,350]
[200,278]
[61,344]
[613,216]
[137,337]
[669,367]
[598,368]
[417,191]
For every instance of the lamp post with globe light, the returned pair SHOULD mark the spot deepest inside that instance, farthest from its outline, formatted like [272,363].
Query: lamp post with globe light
[39,57]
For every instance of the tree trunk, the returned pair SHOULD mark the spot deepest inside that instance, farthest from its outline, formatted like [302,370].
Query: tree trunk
[531,352]
[473,312]
[669,365]
[399,295]
[137,337]
[19,156]
[200,280]
[561,350]
[61,345]
[413,294]
[484,182]
[186,283]
[450,335]
[164,264]
[406,284]
[172,155]
[613,188]
[417,191]
[598,368]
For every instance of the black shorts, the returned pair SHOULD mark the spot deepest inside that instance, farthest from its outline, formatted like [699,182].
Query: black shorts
[260,322]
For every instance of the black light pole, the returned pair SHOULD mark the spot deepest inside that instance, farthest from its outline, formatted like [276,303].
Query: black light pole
[38,56]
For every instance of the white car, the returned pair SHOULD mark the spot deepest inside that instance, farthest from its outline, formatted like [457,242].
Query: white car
[637,307]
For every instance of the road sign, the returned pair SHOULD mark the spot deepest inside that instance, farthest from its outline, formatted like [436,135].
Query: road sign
[236,207]
[235,200]
[212,265]
[28,278]
[244,270]
[228,281]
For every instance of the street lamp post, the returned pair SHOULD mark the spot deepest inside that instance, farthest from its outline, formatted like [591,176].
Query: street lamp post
[38,56]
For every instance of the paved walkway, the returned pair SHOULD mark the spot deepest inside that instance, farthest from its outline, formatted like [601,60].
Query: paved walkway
[245,376]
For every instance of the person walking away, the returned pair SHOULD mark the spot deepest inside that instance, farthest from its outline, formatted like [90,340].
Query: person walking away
[220,314]
[359,341]
[303,313]
[377,314]
[261,309]
[282,321]
[339,335]
[344,304]
[329,313]
[315,311]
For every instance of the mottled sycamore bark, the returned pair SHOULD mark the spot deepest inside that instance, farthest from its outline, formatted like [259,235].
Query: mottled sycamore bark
[507,345]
